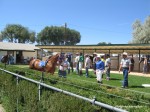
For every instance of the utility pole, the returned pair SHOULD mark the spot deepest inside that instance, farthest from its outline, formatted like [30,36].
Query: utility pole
[65,38]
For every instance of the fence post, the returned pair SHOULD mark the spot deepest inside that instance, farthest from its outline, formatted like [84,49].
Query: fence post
[41,80]
[94,99]
[5,65]
[17,92]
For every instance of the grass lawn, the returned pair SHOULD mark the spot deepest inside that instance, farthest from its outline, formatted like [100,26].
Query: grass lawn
[135,82]
[110,92]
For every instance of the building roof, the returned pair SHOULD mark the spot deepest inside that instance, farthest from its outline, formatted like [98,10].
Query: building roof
[17,46]
[109,48]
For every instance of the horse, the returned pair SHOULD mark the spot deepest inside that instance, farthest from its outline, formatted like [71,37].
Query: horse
[5,58]
[48,66]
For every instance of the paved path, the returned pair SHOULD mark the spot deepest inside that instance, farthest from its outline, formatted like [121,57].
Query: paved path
[131,73]
[134,73]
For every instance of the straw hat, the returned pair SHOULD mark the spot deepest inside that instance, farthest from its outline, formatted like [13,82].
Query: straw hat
[95,53]
[124,53]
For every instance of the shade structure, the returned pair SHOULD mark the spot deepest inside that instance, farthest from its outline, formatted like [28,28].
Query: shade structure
[112,48]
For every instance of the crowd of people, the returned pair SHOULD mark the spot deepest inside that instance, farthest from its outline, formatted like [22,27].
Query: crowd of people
[98,63]
[101,64]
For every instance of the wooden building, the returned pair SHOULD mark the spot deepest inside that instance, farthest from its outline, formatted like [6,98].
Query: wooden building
[19,51]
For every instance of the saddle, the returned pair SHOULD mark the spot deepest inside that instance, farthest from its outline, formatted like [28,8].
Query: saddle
[42,64]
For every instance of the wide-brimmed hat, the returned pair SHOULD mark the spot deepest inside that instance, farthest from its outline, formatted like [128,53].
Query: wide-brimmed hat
[98,56]
[86,55]
[124,53]
[95,53]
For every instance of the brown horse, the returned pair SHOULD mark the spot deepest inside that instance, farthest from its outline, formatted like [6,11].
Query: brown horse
[5,58]
[48,66]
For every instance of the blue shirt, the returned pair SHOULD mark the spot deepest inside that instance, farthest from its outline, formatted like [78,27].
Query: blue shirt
[100,65]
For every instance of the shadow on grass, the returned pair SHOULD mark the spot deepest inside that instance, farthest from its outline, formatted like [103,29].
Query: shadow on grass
[115,79]
[92,76]
[137,86]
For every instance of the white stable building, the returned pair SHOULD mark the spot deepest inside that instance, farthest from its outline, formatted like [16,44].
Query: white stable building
[19,50]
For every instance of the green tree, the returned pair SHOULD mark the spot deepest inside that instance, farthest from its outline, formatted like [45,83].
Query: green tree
[141,32]
[103,43]
[58,36]
[1,38]
[17,33]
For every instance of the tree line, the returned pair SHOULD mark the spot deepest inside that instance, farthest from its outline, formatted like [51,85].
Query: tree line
[141,32]
[49,35]
[64,36]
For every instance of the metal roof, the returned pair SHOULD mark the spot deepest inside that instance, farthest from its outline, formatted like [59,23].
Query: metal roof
[17,46]
[109,48]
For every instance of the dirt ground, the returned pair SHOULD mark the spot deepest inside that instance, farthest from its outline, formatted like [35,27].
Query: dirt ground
[133,73]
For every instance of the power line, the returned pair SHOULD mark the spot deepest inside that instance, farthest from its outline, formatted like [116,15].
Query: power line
[100,29]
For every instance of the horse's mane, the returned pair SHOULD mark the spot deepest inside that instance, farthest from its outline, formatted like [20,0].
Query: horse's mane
[53,59]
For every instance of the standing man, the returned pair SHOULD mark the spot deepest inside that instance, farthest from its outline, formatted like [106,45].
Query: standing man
[87,64]
[126,67]
[132,63]
[99,69]
[145,65]
[94,62]
[77,63]
[107,66]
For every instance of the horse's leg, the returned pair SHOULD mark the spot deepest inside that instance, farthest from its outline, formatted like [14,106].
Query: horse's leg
[5,65]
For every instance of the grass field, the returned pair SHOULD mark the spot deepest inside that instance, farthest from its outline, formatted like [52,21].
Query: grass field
[135,98]
[135,82]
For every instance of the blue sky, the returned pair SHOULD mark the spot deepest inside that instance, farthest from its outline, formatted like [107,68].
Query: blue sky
[96,20]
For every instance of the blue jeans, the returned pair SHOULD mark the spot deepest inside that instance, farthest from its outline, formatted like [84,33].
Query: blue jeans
[62,73]
[87,72]
[125,76]
[68,70]
[77,68]
[107,69]
[144,68]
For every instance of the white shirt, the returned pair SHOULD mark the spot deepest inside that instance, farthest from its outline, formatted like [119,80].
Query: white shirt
[87,62]
[107,62]
[94,59]
[64,65]
[125,62]
[77,59]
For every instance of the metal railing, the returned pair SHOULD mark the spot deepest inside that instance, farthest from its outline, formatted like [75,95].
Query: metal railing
[40,83]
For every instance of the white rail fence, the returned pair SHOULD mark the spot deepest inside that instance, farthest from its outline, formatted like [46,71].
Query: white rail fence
[40,83]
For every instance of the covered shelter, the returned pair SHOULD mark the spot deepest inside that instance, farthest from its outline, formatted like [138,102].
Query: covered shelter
[19,51]
[131,49]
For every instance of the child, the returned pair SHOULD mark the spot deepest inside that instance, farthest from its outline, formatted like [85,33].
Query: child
[63,69]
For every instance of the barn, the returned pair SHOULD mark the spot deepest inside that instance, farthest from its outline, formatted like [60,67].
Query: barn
[21,52]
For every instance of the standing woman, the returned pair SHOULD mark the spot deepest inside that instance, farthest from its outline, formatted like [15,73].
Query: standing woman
[126,67]
[77,63]
[99,69]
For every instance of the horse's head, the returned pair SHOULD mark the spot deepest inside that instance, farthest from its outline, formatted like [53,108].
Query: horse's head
[4,59]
